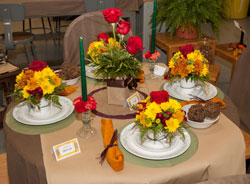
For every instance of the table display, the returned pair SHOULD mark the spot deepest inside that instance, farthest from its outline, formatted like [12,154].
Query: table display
[203,164]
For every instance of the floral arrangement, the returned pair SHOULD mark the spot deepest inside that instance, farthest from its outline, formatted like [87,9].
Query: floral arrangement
[151,57]
[159,113]
[112,56]
[188,63]
[82,106]
[37,81]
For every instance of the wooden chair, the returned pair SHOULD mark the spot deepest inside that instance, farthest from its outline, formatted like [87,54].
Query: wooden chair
[15,12]
[4,178]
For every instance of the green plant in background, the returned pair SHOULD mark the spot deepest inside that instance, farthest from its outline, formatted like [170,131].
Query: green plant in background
[188,13]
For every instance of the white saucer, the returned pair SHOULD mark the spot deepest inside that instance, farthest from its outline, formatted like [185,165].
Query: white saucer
[22,113]
[200,125]
[176,91]
[154,150]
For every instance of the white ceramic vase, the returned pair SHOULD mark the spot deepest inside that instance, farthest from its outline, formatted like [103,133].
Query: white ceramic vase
[187,84]
[159,136]
[42,110]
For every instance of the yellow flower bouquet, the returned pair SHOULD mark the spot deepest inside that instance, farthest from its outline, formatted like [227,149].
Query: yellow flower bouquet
[36,82]
[189,64]
[161,115]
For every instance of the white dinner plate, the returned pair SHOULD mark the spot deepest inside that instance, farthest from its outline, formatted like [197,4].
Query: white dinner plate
[153,150]
[176,91]
[200,125]
[22,113]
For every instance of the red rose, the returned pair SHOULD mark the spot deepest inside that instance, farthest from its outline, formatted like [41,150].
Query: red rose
[186,49]
[134,45]
[103,36]
[123,27]
[159,96]
[37,65]
[147,55]
[111,15]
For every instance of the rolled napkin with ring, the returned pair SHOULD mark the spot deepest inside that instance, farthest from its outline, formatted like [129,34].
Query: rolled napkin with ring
[112,153]
[200,101]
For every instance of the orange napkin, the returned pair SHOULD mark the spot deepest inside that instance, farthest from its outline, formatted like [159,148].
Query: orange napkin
[114,155]
[215,100]
[68,90]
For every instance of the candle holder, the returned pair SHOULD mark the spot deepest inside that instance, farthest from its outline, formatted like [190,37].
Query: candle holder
[86,131]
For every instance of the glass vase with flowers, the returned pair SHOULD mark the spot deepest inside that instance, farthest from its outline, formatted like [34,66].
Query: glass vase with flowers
[84,109]
[151,59]
[159,117]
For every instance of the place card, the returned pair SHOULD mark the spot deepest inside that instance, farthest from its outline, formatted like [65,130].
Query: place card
[66,149]
[159,70]
[133,100]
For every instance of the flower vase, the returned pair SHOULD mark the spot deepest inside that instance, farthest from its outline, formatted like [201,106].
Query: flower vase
[151,67]
[86,131]
[158,137]
[187,86]
[42,110]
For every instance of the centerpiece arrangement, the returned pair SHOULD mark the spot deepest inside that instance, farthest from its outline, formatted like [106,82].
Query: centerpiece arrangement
[114,59]
[189,65]
[38,85]
[160,117]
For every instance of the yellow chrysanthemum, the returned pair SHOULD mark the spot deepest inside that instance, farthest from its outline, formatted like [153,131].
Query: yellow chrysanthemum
[25,93]
[171,63]
[165,106]
[32,84]
[95,48]
[204,71]
[179,115]
[19,77]
[57,80]
[152,110]
[190,68]
[142,118]
[172,124]
[39,77]
[47,87]
[46,72]
[174,104]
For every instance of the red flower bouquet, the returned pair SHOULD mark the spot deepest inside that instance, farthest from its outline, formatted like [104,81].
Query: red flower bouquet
[111,55]
[81,106]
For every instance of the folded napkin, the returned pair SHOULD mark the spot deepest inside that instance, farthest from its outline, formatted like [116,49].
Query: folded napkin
[215,100]
[68,90]
[114,155]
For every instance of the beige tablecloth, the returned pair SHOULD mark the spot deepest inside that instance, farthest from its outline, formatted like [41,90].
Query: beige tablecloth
[221,152]
[45,8]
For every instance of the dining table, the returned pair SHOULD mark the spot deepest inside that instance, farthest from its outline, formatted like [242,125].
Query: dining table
[218,150]
[53,8]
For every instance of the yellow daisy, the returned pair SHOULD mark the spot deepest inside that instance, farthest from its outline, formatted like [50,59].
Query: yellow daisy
[172,125]
[152,110]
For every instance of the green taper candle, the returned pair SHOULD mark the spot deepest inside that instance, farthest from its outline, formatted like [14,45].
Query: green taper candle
[153,28]
[83,74]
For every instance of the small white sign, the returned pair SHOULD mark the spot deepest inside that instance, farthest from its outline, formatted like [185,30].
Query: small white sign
[159,70]
[133,100]
[66,149]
